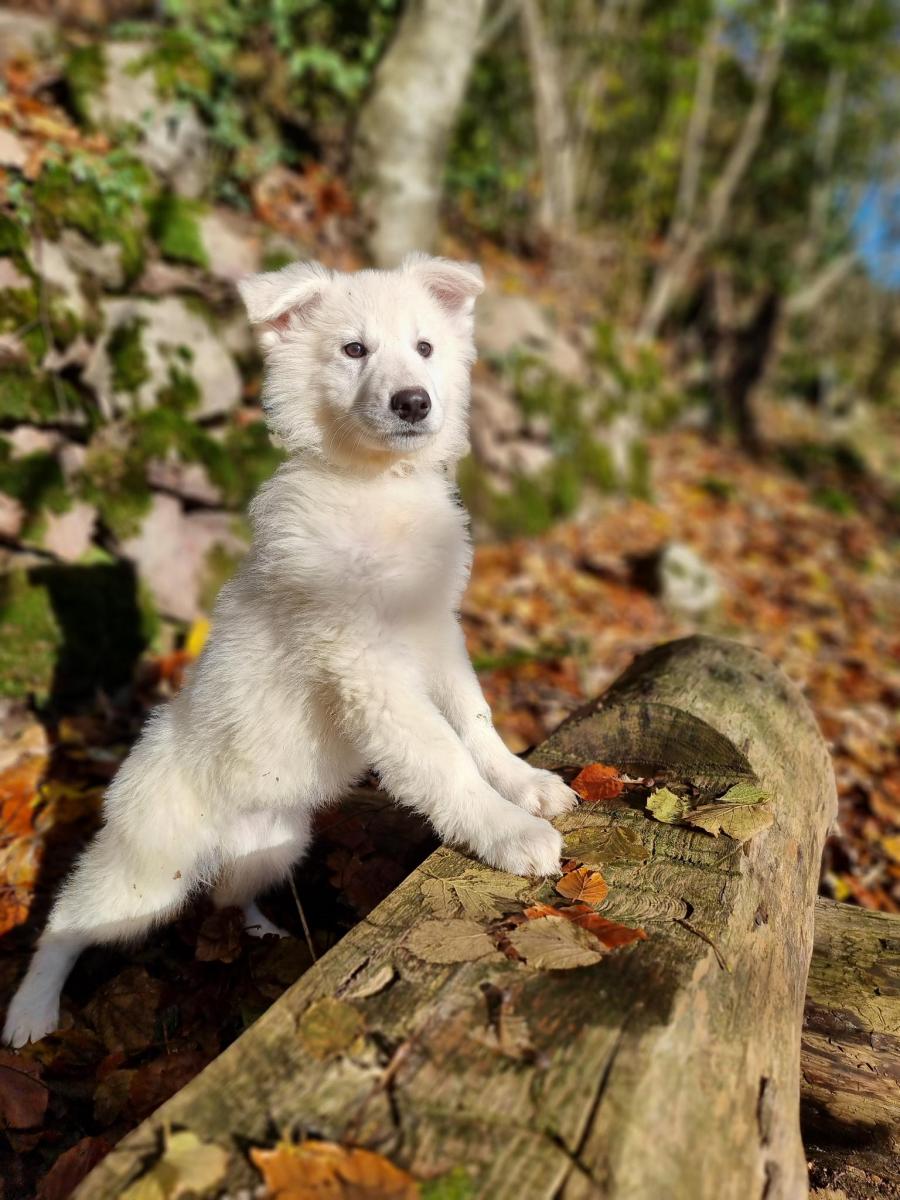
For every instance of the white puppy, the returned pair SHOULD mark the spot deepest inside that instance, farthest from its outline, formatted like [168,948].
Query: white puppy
[335,648]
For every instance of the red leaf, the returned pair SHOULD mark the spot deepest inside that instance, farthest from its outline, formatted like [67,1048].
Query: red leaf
[597,782]
[23,1098]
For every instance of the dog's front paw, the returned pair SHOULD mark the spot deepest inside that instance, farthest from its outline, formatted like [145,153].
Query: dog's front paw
[527,846]
[29,1019]
[538,792]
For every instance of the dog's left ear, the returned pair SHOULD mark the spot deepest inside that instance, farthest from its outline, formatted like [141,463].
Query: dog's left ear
[278,302]
[453,284]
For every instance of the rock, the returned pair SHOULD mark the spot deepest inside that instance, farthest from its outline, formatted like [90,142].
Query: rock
[173,140]
[12,517]
[188,480]
[102,263]
[24,35]
[29,439]
[51,264]
[172,554]
[11,278]
[146,342]
[231,243]
[68,535]
[12,150]
[687,585]
[507,325]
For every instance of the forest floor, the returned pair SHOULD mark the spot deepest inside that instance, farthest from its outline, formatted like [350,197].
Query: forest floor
[550,621]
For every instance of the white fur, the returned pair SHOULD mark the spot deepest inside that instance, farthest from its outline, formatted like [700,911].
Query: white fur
[335,647]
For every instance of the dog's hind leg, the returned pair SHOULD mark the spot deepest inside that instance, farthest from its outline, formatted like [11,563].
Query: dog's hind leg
[116,893]
[261,847]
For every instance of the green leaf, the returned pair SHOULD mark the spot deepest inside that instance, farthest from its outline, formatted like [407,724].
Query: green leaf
[739,821]
[666,806]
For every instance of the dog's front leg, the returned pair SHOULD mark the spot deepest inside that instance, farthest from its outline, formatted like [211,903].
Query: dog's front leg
[457,693]
[386,712]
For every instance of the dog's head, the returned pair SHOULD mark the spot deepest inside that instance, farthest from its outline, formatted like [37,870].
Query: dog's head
[370,366]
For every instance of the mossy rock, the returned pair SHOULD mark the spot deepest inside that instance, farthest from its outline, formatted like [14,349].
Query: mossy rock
[176,227]
[66,631]
[34,397]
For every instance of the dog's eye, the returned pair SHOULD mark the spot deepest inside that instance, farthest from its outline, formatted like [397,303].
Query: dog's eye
[355,350]
[425,348]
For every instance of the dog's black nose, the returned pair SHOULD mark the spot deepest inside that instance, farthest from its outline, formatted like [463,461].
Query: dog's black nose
[411,404]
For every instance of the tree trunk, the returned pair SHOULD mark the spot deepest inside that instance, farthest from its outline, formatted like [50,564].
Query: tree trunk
[685,252]
[669,1068]
[404,127]
[556,215]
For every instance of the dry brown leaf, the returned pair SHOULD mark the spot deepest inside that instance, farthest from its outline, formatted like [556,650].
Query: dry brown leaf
[23,1098]
[597,782]
[330,1026]
[554,945]
[314,1170]
[583,884]
[451,941]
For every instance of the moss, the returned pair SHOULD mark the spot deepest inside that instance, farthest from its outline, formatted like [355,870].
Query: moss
[85,75]
[181,393]
[114,479]
[126,355]
[35,480]
[30,638]
[176,228]
[834,500]
[66,631]
[106,200]
[14,243]
[35,397]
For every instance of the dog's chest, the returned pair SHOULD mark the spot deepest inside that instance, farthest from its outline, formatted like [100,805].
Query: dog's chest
[412,548]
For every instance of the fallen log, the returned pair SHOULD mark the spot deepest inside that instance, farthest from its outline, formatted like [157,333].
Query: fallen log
[669,1068]
[850,1052]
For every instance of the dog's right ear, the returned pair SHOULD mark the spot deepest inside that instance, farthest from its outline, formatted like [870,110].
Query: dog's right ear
[278,302]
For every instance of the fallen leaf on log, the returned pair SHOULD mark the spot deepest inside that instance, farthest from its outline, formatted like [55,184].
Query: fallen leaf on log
[554,945]
[583,884]
[375,983]
[449,941]
[473,896]
[597,782]
[611,934]
[668,807]
[187,1165]
[738,821]
[597,847]
[314,1170]
[330,1026]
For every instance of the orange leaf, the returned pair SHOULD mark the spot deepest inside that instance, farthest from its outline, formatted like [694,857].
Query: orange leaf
[583,884]
[314,1170]
[610,933]
[597,782]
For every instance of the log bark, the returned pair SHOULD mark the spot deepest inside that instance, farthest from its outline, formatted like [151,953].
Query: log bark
[670,1068]
[851,1032]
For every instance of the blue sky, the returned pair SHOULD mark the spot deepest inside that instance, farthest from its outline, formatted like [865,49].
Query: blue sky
[876,228]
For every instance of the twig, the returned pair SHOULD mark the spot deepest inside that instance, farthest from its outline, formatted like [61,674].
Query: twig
[309,940]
